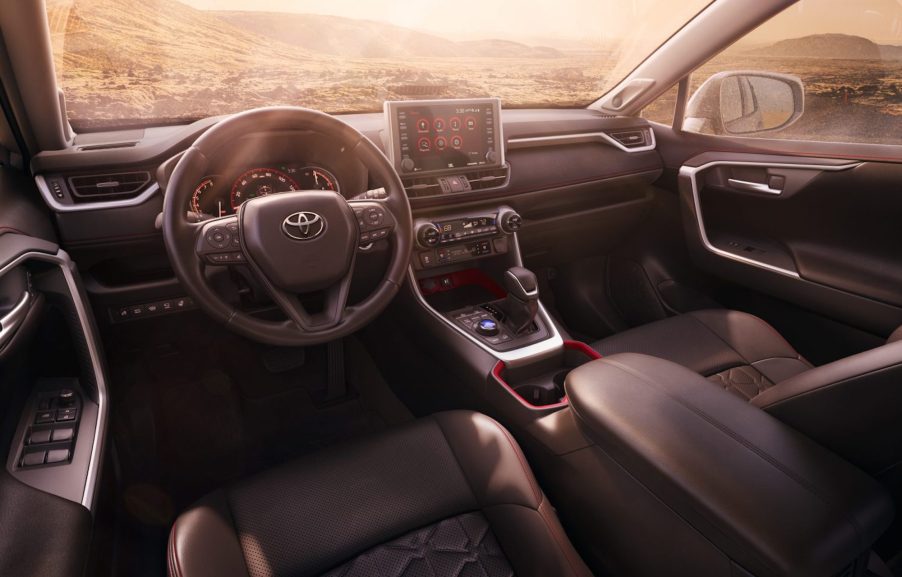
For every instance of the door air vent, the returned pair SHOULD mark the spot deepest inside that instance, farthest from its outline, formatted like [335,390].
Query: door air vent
[631,138]
[116,184]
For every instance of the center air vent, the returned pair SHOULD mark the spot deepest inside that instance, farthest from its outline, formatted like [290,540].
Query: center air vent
[472,181]
[631,138]
[114,184]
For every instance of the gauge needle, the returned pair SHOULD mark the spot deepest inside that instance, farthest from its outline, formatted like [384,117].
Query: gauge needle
[316,178]
[220,207]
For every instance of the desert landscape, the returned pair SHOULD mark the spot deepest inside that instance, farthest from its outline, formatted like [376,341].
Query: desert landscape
[165,60]
[130,61]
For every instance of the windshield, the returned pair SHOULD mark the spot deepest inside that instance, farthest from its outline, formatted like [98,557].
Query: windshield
[138,62]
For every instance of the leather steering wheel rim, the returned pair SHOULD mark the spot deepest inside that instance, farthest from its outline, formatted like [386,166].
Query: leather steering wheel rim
[181,236]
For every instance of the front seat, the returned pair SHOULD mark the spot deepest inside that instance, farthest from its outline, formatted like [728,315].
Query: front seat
[448,495]
[852,406]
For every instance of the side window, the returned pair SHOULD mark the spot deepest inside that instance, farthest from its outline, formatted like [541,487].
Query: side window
[824,70]
[663,107]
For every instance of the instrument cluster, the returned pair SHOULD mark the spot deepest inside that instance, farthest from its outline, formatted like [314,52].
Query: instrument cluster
[220,195]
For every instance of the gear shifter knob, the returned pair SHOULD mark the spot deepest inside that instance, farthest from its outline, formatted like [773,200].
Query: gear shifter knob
[521,283]
[522,302]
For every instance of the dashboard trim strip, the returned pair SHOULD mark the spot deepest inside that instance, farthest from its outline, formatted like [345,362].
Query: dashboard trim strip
[582,138]
[57,206]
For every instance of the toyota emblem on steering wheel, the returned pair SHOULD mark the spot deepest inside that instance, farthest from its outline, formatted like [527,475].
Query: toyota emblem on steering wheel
[303,225]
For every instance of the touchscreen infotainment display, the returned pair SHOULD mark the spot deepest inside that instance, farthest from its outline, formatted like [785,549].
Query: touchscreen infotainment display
[444,135]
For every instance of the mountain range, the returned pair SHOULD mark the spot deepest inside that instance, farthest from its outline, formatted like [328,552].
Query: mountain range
[831,46]
[352,38]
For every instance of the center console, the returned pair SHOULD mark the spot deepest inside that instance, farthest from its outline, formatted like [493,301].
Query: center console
[661,473]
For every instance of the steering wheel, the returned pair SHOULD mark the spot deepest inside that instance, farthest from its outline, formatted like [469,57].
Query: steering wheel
[294,242]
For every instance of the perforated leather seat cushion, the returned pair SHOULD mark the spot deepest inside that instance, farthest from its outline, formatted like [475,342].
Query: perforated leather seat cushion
[737,351]
[447,495]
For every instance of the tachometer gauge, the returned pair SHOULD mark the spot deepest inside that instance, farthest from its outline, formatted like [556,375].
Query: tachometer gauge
[317,178]
[260,182]
[203,202]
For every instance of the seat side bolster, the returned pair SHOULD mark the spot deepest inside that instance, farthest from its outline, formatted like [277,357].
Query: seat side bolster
[524,522]
[204,542]
[852,406]
[751,337]
[535,542]
[490,459]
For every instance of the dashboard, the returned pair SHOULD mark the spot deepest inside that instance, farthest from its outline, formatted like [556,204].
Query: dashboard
[222,194]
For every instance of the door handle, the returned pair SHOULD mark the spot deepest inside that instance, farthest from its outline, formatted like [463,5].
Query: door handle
[11,322]
[753,186]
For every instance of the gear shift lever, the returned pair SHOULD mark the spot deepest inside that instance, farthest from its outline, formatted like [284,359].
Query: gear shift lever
[522,301]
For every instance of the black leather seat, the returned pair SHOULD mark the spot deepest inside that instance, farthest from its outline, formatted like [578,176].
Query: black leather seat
[444,496]
[735,350]
[852,406]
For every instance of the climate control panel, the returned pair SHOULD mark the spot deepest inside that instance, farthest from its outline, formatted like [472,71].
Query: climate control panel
[453,239]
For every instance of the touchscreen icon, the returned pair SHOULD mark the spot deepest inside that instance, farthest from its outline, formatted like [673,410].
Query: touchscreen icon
[454,123]
[423,125]
[423,145]
[438,124]
[441,143]
[471,123]
[456,141]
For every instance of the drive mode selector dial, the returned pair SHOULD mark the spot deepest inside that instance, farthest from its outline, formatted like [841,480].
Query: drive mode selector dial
[487,327]
[510,221]
[427,235]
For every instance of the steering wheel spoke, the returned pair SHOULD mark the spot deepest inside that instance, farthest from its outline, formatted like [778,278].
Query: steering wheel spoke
[218,242]
[335,301]
[375,221]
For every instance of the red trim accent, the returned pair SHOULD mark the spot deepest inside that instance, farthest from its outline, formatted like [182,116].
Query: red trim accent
[498,370]
[583,348]
[470,276]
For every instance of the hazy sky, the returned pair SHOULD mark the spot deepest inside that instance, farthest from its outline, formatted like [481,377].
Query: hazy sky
[578,19]
[878,20]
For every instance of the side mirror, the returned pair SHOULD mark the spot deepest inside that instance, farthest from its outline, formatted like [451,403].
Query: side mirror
[743,102]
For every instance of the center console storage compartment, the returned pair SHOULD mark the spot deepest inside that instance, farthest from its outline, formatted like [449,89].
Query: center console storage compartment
[678,477]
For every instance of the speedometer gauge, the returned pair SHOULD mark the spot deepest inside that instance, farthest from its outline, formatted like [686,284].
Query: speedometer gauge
[260,182]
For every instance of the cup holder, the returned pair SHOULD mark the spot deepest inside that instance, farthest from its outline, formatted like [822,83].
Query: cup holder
[541,395]
[542,386]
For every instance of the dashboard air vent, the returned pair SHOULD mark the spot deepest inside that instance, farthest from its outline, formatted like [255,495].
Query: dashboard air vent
[491,178]
[475,180]
[109,185]
[631,138]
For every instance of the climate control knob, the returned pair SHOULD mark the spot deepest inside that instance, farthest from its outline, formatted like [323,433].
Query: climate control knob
[427,235]
[510,221]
